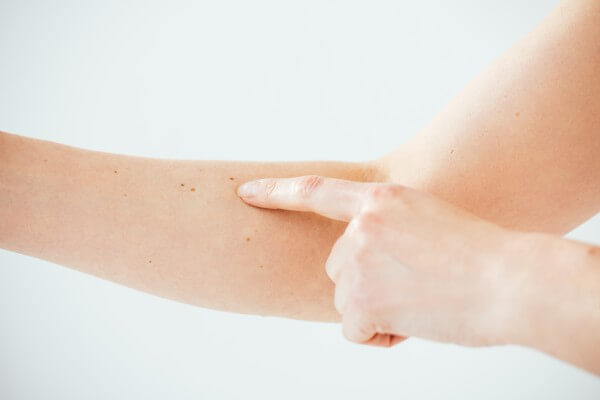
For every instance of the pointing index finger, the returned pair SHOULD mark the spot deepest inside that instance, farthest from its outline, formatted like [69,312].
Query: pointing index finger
[332,198]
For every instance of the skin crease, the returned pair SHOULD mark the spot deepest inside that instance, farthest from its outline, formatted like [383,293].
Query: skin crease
[538,171]
[409,264]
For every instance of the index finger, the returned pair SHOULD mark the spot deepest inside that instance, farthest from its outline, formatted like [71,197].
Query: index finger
[333,198]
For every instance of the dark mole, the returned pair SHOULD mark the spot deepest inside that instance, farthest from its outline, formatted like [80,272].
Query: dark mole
[517,114]
[231,178]
[115,172]
[193,189]
[150,262]
[247,238]
[183,184]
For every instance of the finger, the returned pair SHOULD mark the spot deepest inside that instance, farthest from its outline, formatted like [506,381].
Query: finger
[342,293]
[332,198]
[385,340]
[339,257]
[356,328]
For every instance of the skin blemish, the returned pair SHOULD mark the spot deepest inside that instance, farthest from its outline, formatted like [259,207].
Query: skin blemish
[517,114]
[452,151]
[261,266]
[247,238]
[45,160]
[149,261]
[124,194]
[192,189]
[231,178]
[182,185]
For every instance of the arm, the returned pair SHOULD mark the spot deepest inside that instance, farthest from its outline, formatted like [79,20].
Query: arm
[518,171]
[558,308]
[519,146]
[172,228]
[411,265]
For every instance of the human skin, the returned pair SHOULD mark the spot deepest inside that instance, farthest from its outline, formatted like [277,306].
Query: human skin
[519,145]
[139,227]
[409,264]
[172,228]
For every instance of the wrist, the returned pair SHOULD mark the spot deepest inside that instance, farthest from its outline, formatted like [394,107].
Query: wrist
[550,286]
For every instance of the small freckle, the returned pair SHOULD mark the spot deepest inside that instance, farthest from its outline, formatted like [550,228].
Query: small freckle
[248,239]
[115,172]
[124,194]
[452,151]
[517,114]
[231,178]
[45,160]
[183,184]
[192,189]
[260,266]
[150,262]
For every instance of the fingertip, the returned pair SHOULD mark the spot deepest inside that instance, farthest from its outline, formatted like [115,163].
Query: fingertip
[248,190]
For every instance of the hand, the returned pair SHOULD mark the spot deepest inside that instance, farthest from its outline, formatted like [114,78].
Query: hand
[408,264]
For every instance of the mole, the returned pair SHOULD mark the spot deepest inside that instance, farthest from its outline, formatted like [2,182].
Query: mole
[452,151]
[149,261]
[231,178]
[124,194]
[247,238]
[115,172]
[517,114]
[183,184]
[260,266]
[192,189]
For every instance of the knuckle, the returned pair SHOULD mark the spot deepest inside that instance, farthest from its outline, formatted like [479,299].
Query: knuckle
[361,257]
[366,222]
[306,185]
[358,330]
[270,186]
[384,193]
[363,300]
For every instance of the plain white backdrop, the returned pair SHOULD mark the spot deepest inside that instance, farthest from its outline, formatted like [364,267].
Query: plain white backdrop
[254,80]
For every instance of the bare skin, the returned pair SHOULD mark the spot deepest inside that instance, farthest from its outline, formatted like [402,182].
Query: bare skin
[139,227]
[409,264]
[519,145]
[173,228]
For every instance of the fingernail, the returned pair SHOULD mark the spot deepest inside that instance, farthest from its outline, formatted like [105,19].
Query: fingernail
[248,189]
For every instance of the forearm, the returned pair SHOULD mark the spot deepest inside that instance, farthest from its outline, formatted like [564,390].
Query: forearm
[519,146]
[553,292]
[173,228]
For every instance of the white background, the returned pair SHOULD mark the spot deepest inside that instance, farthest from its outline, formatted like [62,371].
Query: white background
[235,79]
